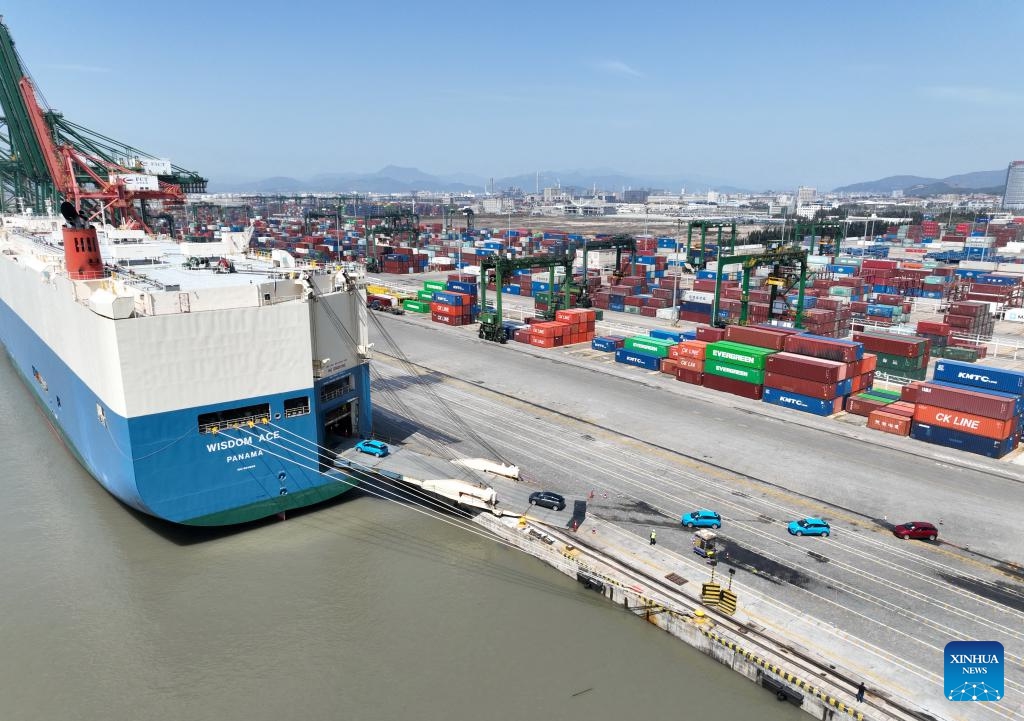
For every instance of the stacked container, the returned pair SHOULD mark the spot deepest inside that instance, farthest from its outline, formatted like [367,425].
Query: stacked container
[903,356]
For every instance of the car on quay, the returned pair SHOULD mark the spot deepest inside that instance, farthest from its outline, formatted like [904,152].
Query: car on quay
[809,527]
[702,518]
[373,448]
[916,529]
[547,499]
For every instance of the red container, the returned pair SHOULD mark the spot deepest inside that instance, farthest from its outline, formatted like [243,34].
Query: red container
[889,423]
[733,386]
[710,334]
[812,369]
[863,406]
[445,309]
[669,366]
[688,349]
[867,364]
[977,402]
[892,344]
[760,337]
[966,422]
[522,335]
[908,392]
[820,348]
[687,376]
[814,389]
[541,342]
[691,364]
[449,319]
[902,408]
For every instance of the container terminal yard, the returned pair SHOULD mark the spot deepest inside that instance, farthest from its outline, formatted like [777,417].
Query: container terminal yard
[794,448]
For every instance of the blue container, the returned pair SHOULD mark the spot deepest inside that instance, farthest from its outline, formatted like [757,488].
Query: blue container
[980,376]
[962,441]
[997,280]
[844,387]
[510,289]
[459,287]
[692,306]
[882,310]
[673,335]
[522,271]
[798,402]
[605,344]
[689,335]
[635,358]
[441,296]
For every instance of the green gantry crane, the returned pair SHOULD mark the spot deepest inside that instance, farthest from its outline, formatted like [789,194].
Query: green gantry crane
[490,321]
[836,231]
[619,243]
[704,225]
[781,281]
[395,221]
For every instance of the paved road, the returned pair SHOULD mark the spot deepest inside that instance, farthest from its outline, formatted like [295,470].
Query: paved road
[651,448]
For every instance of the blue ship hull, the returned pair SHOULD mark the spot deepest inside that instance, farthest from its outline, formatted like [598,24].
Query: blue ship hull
[163,465]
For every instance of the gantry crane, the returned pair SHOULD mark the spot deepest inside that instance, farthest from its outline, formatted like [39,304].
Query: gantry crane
[782,279]
[490,321]
[396,222]
[835,231]
[450,211]
[619,243]
[47,158]
[704,225]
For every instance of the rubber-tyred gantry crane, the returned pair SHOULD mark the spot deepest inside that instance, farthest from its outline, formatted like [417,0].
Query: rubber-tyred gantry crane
[46,158]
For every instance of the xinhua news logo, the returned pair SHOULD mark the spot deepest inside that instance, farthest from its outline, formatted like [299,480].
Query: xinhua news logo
[974,670]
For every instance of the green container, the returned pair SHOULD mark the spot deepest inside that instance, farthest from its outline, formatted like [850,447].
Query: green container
[967,355]
[841,290]
[599,314]
[648,345]
[882,394]
[896,364]
[736,372]
[739,354]
[416,306]
[425,295]
[434,285]
[634,309]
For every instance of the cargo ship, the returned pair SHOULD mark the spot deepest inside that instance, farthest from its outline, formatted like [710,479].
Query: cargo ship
[197,382]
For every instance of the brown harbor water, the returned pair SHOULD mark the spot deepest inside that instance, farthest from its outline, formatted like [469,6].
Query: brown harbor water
[358,610]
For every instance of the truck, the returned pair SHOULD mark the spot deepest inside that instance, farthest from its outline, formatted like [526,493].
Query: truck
[385,303]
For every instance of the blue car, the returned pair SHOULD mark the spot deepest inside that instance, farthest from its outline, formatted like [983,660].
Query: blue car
[809,527]
[702,519]
[374,448]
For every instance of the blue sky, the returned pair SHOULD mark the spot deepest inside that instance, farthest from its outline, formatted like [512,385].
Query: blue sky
[755,94]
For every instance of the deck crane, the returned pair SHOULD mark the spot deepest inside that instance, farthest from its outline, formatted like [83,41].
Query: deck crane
[49,159]
[490,320]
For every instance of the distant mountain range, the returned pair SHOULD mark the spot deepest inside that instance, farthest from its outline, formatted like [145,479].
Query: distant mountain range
[396,179]
[983,181]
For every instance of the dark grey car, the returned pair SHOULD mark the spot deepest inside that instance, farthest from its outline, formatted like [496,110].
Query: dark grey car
[548,500]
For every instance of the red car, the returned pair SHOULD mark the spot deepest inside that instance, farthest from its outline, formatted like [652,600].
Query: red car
[916,529]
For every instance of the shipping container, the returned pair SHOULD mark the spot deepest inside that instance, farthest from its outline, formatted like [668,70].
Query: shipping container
[606,343]
[648,345]
[738,354]
[827,348]
[962,441]
[736,387]
[863,404]
[971,374]
[673,335]
[690,364]
[973,401]
[689,349]
[813,389]
[690,376]
[761,337]
[893,345]
[966,422]
[710,334]
[814,369]
[1015,398]
[886,422]
[636,358]
[745,374]
[797,401]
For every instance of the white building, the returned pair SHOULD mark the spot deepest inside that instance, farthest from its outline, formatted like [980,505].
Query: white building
[1013,196]
[805,195]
